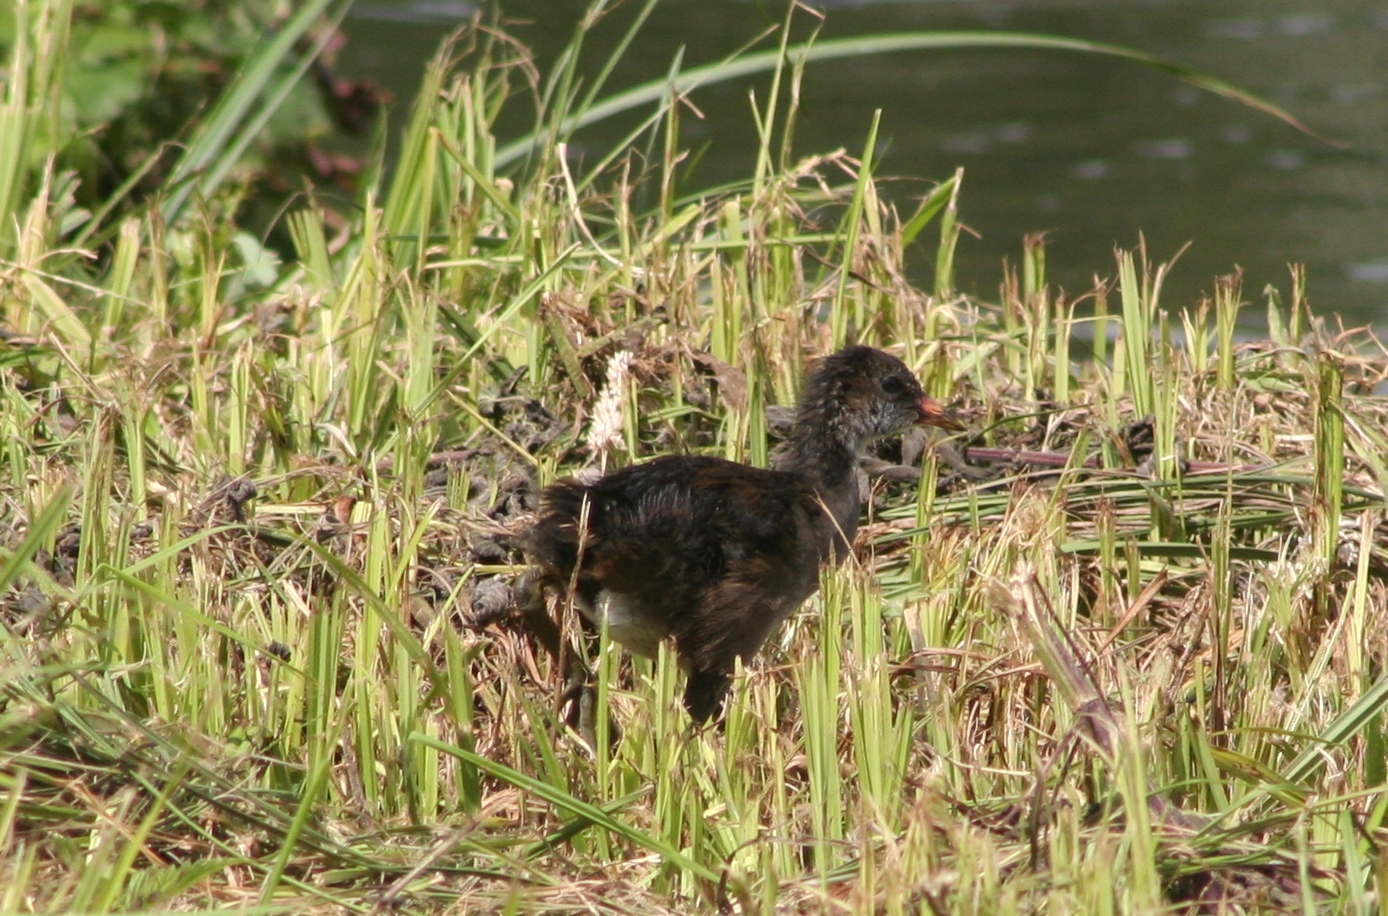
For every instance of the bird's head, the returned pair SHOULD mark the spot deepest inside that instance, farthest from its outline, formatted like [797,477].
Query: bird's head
[863,394]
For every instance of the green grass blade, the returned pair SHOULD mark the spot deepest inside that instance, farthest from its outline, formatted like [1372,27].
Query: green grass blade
[230,127]
[568,803]
[1343,727]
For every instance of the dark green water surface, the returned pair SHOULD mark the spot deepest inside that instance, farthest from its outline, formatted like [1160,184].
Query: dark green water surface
[1092,150]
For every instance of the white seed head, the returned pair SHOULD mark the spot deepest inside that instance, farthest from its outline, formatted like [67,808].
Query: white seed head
[605,429]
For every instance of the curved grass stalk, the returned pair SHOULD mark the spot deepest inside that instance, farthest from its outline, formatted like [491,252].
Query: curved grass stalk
[833,49]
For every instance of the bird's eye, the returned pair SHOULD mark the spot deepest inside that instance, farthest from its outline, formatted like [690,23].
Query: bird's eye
[893,385]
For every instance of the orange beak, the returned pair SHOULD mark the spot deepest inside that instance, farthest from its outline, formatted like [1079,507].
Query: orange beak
[932,414]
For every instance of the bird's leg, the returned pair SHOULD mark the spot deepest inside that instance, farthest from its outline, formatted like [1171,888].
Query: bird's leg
[535,613]
[703,694]
[538,612]
[577,697]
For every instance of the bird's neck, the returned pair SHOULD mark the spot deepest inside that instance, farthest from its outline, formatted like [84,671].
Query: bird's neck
[830,466]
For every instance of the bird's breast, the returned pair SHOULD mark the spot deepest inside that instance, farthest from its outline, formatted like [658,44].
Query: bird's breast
[627,621]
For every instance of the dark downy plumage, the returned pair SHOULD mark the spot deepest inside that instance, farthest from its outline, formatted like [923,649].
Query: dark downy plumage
[717,554]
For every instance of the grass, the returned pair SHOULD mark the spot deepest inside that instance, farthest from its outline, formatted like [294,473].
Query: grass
[1122,650]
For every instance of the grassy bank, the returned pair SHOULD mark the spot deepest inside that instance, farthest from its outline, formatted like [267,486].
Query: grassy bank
[1120,649]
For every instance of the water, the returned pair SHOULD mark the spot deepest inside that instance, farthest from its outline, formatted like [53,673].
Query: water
[1091,150]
